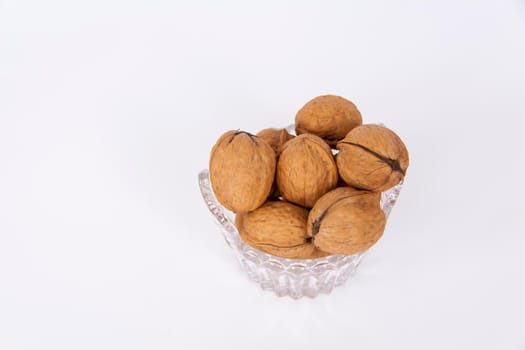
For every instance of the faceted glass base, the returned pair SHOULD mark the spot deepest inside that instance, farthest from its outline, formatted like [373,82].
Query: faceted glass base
[293,277]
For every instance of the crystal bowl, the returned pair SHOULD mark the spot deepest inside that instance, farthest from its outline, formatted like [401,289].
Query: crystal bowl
[296,278]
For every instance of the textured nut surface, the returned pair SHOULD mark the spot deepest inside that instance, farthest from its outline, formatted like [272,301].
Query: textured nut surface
[329,117]
[306,170]
[242,170]
[277,228]
[346,221]
[372,157]
[276,138]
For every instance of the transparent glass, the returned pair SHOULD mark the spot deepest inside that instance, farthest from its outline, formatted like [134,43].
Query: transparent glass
[296,278]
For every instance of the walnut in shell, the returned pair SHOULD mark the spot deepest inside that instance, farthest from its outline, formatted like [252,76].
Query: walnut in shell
[306,170]
[276,138]
[278,228]
[329,117]
[242,170]
[372,157]
[346,221]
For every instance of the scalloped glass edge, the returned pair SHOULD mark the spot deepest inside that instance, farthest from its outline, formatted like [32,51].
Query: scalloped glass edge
[296,278]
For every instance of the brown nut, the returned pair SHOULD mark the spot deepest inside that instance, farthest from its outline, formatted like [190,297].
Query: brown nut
[329,117]
[346,221]
[306,170]
[372,157]
[276,138]
[277,228]
[242,170]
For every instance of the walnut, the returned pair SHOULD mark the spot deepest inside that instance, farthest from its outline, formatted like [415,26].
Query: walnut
[329,117]
[242,170]
[346,221]
[276,138]
[278,228]
[372,157]
[306,170]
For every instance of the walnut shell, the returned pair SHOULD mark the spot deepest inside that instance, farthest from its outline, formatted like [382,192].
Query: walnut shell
[346,221]
[329,117]
[372,157]
[242,170]
[276,138]
[277,228]
[306,170]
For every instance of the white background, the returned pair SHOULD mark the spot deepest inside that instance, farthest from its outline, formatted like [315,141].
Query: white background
[108,110]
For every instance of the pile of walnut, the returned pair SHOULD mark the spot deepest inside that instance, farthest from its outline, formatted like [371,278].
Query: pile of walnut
[293,198]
